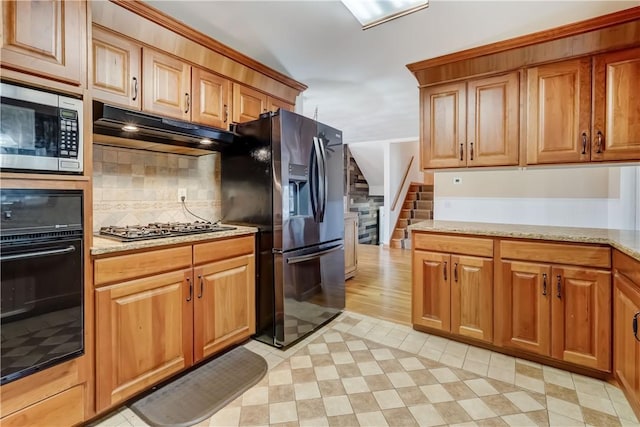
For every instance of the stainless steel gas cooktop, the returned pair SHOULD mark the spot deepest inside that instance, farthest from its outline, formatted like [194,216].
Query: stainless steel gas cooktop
[159,230]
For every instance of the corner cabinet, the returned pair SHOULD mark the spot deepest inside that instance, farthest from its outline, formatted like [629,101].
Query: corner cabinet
[45,38]
[472,123]
[453,284]
[249,103]
[160,311]
[626,333]
[554,300]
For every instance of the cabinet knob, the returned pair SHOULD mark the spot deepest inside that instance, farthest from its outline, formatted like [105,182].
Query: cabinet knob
[599,142]
[190,289]
[187,102]
[471,151]
[544,283]
[201,286]
[634,326]
[461,151]
[455,271]
[584,143]
[135,88]
[444,270]
[226,113]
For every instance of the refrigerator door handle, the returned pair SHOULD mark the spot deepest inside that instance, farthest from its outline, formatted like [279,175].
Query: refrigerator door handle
[323,179]
[303,258]
[315,185]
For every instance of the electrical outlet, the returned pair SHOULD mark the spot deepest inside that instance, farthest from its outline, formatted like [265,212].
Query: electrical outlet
[182,194]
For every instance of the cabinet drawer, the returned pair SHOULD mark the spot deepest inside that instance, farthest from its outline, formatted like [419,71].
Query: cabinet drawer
[453,244]
[66,408]
[627,266]
[131,266]
[221,249]
[557,253]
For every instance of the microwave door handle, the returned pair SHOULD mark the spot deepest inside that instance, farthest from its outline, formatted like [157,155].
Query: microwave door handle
[323,180]
[38,254]
[309,257]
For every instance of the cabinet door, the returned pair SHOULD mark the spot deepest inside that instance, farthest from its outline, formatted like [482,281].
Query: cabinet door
[431,290]
[116,69]
[492,121]
[616,116]
[559,112]
[522,309]
[274,104]
[443,134]
[143,334]
[248,103]
[472,297]
[581,316]
[225,304]
[211,95]
[626,348]
[167,85]
[45,38]
[350,246]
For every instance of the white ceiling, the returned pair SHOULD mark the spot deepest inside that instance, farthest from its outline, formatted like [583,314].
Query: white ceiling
[357,79]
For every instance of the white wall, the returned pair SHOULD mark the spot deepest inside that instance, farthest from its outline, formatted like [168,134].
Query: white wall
[599,197]
[370,159]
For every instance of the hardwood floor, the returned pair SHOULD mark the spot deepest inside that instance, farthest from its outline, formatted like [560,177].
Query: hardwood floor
[382,285]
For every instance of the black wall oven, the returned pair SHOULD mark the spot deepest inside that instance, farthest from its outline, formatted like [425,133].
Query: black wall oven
[41,280]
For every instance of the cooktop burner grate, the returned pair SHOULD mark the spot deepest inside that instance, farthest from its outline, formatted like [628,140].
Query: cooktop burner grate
[157,230]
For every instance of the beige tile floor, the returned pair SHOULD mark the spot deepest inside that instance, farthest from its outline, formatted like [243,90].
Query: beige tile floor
[361,371]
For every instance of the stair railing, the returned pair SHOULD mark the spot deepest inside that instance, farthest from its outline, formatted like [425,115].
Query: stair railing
[404,179]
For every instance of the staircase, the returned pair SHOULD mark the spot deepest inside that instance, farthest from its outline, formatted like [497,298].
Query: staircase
[417,206]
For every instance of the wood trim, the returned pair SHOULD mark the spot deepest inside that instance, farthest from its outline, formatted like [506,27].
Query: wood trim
[557,253]
[404,179]
[465,245]
[563,31]
[171,24]
[627,266]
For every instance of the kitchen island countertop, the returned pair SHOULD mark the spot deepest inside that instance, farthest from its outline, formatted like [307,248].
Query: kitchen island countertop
[626,241]
[103,245]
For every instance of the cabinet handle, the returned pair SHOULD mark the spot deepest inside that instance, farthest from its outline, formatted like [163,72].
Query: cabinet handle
[599,138]
[201,285]
[559,287]
[226,113]
[544,283]
[190,289]
[471,151]
[634,325]
[188,101]
[461,151]
[135,88]
[445,270]
[584,143]
[455,271]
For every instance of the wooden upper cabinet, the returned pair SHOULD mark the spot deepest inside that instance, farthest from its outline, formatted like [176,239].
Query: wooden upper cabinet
[117,68]
[492,121]
[431,290]
[616,108]
[472,297]
[166,85]
[581,316]
[559,112]
[443,112]
[248,103]
[275,104]
[211,98]
[522,310]
[45,38]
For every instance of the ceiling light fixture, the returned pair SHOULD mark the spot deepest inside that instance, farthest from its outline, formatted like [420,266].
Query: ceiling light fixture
[130,128]
[373,12]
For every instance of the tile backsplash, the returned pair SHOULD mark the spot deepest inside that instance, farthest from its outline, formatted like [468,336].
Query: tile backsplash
[139,187]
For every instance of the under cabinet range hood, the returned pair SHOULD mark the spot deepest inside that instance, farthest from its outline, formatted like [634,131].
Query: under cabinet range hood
[118,126]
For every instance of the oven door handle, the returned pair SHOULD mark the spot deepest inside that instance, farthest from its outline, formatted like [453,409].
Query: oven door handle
[27,255]
[302,258]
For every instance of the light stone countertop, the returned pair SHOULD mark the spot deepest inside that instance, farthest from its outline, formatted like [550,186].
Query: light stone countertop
[626,241]
[103,245]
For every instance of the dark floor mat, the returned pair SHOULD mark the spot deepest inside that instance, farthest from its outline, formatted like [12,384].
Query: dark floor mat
[202,392]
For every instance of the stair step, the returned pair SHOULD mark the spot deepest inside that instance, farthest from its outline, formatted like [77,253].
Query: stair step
[399,233]
[405,213]
[423,214]
[425,195]
[424,205]
[412,196]
[415,220]
[409,204]
[395,243]
[403,223]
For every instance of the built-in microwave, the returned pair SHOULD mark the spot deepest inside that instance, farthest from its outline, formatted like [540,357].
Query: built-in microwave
[39,130]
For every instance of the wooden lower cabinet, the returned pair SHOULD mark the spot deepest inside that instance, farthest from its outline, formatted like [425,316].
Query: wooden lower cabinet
[350,244]
[626,314]
[63,409]
[157,316]
[451,292]
[558,311]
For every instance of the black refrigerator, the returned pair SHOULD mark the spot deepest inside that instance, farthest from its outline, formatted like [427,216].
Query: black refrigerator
[284,175]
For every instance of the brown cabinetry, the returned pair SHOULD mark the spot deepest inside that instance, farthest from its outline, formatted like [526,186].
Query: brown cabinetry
[249,103]
[350,244]
[211,98]
[626,317]
[45,38]
[471,124]
[65,408]
[166,85]
[158,314]
[553,309]
[453,292]
[560,109]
